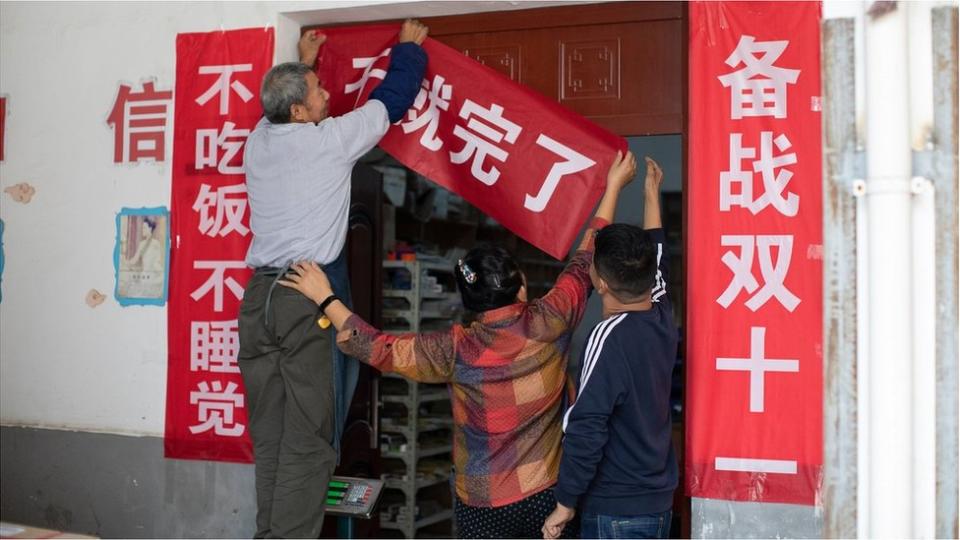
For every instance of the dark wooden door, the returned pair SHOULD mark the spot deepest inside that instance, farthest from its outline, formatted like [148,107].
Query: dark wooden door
[623,65]
[360,448]
[620,64]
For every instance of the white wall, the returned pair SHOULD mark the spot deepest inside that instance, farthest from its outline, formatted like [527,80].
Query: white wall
[63,364]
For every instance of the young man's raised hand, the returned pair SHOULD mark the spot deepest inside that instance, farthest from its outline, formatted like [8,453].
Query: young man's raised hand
[413,31]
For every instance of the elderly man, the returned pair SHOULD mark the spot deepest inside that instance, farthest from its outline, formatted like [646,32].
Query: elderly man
[298,163]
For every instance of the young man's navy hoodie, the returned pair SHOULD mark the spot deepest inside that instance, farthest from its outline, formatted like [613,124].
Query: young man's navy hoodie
[617,450]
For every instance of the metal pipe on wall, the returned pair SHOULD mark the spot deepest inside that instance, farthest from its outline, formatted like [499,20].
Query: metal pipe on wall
[944,34]
[839,280]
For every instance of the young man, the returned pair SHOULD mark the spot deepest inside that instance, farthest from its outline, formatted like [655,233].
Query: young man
[618,465]
[298,163]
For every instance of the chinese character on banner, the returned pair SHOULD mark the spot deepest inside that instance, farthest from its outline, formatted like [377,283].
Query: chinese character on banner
[773,274]
[483,138]
[521,158]
[573,163]
[217,106]
[229,140]
[760,88]
[214,346]
[223,84]
[433,98]
[229,206]
[754,318]
[216,281]
[369,72]
[139,121]
[215,408]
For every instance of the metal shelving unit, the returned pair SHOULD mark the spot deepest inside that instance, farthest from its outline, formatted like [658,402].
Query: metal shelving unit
[409,519]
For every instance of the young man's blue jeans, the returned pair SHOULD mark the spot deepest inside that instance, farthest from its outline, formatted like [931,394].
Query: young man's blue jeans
[645,526]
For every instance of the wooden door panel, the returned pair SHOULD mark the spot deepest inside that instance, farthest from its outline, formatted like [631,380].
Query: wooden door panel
[554,17]
[626,77]
[620,64]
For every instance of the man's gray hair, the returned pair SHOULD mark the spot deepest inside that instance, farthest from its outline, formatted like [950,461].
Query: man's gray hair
[283,86]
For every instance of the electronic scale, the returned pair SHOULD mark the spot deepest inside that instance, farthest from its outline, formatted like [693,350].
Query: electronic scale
[353,497]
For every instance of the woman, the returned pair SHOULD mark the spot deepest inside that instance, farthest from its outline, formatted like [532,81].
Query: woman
[149,255]
[506,371]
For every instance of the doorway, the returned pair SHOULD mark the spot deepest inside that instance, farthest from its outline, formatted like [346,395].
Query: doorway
[622,65]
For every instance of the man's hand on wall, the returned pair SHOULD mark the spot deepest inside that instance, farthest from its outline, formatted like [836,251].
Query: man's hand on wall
[309,46]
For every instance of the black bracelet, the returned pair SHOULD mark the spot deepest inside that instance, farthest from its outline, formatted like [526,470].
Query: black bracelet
[326,303]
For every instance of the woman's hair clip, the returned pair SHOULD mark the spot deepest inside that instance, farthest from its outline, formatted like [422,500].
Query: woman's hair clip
[468,275]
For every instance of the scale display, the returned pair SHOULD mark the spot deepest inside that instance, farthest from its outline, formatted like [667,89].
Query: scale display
[354,497]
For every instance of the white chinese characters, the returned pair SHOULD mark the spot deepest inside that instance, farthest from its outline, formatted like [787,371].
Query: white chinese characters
[210,143]
[772,170]
[432,99]
[366,63]
[215,406]
[760,88]
[222,86]
[574,163]
[757,366]
[214,346]
[217,280]
[228,204]
[482,139]
[773,273]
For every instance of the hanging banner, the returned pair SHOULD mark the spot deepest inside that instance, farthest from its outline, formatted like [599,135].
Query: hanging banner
[754,230]
[216,105]
[534,166]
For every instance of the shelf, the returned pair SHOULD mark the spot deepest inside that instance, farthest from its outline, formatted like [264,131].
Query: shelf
[420,523]
[444,266]
[423,397]
[408,314]
[403,429]
[421,453]
[397,314]
[410,295]
[425,304]
[436,518]
[403,485]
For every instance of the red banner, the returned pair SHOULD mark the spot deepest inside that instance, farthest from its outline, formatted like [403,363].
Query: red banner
[754,383]
[216,106]
[534,166]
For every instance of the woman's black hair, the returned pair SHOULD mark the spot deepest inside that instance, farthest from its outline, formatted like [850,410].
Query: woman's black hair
[488,278]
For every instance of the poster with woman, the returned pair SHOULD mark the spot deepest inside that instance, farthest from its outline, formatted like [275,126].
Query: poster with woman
[141,256]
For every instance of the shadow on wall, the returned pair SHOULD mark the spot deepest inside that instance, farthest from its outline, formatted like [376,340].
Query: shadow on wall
[114,486]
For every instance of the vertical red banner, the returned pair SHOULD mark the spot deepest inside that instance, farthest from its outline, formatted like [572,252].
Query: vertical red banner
[755,330]
[216,105]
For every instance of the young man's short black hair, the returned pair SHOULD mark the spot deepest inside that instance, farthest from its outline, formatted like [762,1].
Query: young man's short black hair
[488,278]
[625,256]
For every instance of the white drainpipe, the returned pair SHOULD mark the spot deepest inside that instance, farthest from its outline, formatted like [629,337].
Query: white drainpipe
[890,277]
[924,439]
